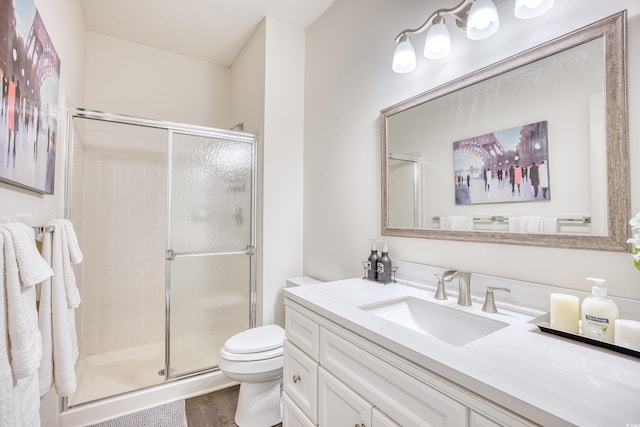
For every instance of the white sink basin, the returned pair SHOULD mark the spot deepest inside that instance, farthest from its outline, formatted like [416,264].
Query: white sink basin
[448,324]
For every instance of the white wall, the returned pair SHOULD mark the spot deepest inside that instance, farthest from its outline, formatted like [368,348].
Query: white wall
[128,78]
[283,158]
[267,95]
[348,80]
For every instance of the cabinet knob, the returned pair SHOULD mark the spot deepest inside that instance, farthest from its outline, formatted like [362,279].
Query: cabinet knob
[296,378]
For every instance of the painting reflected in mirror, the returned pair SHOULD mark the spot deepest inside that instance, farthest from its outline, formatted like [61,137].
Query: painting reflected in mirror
[507,166]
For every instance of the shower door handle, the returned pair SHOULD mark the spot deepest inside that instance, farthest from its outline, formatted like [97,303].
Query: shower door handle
[171,255]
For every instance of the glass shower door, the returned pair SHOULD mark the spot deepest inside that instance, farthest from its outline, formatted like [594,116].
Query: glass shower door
[210,240]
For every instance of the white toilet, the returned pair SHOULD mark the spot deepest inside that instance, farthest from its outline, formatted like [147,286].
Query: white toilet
[254,358]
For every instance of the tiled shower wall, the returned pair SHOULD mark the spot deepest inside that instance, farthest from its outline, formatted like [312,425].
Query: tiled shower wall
[123,245]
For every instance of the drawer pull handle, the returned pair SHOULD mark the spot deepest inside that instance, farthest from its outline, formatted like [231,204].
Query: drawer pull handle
[296,378]
[360,425]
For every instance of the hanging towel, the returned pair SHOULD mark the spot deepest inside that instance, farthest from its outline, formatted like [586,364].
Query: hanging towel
[550,225]
[19,397]
[7,413]
[58,299]
[33,269]
[456,222]
[25,341]
[533,224]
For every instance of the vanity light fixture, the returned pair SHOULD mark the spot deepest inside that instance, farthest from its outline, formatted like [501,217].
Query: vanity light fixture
[478,17]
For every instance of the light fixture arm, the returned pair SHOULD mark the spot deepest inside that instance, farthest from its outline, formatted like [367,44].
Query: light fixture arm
[459,13]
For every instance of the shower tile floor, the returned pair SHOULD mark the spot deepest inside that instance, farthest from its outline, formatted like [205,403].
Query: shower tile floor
[109,374]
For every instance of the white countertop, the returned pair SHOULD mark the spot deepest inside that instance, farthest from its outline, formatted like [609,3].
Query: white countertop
[548,379]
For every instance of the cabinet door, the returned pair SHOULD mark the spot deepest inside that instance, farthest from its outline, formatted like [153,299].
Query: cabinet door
[339,406]
[301,380]
[292,416]
[378,419]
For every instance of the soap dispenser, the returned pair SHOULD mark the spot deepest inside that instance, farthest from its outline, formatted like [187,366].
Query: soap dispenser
[372,262]
[384,265]
[599,313]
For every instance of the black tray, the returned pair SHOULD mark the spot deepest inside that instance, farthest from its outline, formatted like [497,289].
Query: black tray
[542,322]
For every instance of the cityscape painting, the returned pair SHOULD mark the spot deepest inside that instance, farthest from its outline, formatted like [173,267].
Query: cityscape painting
[510,165]
[29,79]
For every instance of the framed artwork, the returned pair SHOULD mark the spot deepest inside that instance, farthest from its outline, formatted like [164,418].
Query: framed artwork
[506,166]
[29,83]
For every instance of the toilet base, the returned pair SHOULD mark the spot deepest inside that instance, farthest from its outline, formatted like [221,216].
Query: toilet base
[259,404]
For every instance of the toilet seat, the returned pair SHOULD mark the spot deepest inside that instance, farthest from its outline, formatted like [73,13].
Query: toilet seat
[248,357]
[260,343]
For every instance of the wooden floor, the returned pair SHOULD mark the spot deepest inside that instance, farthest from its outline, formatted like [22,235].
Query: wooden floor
[214,409]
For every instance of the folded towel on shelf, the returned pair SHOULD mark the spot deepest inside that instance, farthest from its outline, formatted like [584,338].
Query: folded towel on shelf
[59,297]
[533,224]
[33,269]
[456,222]
[25,340]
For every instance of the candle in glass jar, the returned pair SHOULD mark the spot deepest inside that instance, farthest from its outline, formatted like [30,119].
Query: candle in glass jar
[564,313]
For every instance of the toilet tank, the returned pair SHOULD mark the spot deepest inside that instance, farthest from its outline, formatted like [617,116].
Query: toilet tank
[301,281]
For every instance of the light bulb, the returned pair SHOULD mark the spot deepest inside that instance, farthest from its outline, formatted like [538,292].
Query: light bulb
[526,9]
[438,43]
[404,58]
[483,20]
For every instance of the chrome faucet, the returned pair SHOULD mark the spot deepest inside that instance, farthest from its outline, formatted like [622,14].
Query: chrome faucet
[464,285]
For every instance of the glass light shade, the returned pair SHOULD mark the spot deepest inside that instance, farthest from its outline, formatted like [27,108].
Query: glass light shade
[483,20]
[526,9]
[404,58]
[438,42]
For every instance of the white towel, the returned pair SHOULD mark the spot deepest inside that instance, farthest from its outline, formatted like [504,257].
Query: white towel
[550,225]
[533,224]
[58,299]
[8,417]
[25,341]
[456,222]
[33,269]
[45,372]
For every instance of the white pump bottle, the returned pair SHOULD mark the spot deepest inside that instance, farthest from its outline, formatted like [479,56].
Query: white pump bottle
[599,313]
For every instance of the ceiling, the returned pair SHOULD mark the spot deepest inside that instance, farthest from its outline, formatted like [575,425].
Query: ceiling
[209,30]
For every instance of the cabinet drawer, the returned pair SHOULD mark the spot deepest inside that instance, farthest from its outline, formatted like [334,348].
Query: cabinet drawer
[302,331]
[300,379]
[409,401]
[292,416]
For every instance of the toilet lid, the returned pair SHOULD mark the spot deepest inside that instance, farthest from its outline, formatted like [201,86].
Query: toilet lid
[255,340]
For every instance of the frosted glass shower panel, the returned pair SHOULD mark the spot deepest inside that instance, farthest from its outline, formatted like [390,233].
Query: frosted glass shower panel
[210,302]
[211,182]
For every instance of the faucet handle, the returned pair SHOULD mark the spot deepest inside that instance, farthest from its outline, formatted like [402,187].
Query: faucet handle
[489,305]
[440,293]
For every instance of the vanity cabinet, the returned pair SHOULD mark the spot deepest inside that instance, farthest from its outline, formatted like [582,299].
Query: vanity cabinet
[336,378]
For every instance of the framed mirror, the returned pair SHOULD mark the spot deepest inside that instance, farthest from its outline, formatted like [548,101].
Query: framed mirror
[532,150]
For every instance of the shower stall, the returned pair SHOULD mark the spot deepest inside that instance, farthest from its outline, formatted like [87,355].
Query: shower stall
[165,216]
